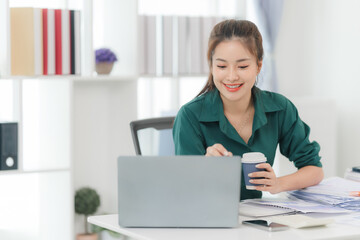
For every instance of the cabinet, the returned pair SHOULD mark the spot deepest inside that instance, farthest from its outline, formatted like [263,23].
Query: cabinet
[71,128]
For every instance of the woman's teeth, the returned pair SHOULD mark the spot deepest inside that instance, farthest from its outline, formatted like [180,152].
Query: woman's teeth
[233,86]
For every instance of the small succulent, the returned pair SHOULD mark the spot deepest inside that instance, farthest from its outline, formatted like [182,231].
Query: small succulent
[105,55]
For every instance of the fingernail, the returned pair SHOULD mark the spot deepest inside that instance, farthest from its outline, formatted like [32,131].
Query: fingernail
[251,180]
[250,174]
[258,165]
[226,153]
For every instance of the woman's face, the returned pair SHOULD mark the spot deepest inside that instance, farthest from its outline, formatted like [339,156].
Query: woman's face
[234,70]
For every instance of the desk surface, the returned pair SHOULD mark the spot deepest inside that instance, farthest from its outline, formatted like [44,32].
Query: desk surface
[331,231]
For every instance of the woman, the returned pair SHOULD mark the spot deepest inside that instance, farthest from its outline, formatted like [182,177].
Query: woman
[231,116]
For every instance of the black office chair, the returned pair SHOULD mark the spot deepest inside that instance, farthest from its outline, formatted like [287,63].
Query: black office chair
[163,125]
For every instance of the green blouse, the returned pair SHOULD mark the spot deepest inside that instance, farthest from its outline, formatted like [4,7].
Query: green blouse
[201,123]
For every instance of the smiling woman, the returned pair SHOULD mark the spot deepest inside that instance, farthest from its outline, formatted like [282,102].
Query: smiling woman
[231,116]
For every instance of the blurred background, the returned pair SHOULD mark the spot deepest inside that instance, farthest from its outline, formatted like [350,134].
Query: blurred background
[72,128]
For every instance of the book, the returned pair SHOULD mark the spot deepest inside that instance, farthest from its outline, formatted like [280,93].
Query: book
[45,40]
[207,25]
[141,44]
[77,33]
[257,210]
[195,57]
[290,206]
[151,45]
[38,42]
[58,42]
[26,41]
[183,45]
[301,221]
[167,45]
[351,175]
[65,41]
[51,41]
[72,42]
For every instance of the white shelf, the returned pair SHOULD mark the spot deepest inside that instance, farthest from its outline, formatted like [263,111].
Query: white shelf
[97,78]
[17,171]
[75,78]
[175,76]
[104,78]
[92,111]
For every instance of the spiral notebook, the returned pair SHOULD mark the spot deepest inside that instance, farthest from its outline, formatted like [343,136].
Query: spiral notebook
[250,209]
[271,207]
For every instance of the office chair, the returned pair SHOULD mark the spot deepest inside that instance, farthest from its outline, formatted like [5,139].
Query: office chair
[164,127]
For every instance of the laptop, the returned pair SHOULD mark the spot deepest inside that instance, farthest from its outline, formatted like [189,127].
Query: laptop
[179,191]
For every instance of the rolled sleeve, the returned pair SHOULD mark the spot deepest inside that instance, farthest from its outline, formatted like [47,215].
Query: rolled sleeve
[294,140]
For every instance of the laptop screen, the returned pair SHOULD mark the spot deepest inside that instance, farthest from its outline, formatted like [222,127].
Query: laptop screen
[178,191]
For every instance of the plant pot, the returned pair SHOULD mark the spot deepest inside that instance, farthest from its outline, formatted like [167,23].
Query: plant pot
[106,235]
[104,67]
[91,236]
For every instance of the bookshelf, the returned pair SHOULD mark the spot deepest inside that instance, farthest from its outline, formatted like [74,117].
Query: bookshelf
[75,78]
[71,127]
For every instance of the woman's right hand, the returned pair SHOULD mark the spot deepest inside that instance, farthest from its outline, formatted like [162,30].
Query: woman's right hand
[217,150]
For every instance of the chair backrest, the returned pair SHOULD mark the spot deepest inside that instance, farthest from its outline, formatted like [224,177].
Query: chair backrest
[163,125]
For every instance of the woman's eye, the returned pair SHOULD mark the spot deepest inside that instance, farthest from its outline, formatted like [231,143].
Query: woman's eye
[243,67]
[219,66]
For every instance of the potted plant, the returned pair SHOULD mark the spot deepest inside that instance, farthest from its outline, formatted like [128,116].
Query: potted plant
[87,202]
[105,59]
[106,234]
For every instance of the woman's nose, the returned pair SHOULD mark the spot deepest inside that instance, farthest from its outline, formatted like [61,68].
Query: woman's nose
[233,75]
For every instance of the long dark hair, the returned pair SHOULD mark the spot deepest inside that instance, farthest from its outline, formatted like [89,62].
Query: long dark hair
[245,31]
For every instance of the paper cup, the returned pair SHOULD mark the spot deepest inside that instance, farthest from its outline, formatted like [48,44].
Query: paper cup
[249,161]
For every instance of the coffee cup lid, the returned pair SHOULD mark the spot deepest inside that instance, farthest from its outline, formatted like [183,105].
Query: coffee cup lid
[253,157]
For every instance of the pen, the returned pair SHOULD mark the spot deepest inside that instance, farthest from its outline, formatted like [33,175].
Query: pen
[355,193]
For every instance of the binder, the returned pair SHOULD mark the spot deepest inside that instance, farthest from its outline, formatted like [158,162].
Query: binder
[65,40]
[58,43]
[51,42]
[77,34]
[72,42]
[26,41]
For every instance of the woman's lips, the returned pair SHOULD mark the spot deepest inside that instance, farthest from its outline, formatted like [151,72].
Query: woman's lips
[233,87]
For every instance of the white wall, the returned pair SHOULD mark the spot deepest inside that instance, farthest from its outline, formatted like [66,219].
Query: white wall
[102,114]
[115,27]
[317,55]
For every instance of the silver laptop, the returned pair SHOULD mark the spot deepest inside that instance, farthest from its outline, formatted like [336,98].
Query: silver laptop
[178,191]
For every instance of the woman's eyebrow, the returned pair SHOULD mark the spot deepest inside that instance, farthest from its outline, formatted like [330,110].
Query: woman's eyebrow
[239,60]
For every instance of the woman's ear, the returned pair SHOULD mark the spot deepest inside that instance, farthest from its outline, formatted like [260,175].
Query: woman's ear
[259,66]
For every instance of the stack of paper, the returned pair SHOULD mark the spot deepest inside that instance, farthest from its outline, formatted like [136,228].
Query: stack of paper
[333,191]
[351,175]
[295,205]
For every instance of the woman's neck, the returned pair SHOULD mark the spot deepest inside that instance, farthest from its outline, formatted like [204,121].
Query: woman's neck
[238,107]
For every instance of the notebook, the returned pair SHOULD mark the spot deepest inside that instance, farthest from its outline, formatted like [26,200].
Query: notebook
[302,221]
[178,191]
[257,210]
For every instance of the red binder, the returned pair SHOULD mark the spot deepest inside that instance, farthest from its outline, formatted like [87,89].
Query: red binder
[58,37]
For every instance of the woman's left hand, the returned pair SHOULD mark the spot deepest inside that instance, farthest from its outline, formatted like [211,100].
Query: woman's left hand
[269,182]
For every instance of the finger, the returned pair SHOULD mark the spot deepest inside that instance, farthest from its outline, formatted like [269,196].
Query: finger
[265,166]
[263,174]
[221,149]
[211,151]
[264,181]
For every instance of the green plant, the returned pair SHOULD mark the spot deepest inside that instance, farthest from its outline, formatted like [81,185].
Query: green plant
[87,202]
[98,229]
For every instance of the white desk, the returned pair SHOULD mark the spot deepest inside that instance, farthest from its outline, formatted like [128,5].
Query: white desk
[242,232]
